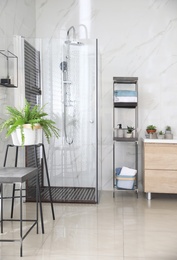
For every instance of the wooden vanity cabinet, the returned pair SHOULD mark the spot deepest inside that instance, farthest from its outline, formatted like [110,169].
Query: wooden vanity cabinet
[160,168]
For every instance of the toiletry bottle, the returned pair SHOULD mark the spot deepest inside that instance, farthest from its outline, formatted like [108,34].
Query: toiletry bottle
[120,132]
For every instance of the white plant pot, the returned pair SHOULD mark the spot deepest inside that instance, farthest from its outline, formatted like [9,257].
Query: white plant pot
[161,136]
[168,132]
[32,136]
[15,138]
[168,136]
[128,135]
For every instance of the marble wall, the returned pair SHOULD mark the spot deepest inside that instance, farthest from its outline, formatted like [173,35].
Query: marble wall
[136,38]
[16,18]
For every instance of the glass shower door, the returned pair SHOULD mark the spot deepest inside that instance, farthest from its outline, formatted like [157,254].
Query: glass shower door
[73,159]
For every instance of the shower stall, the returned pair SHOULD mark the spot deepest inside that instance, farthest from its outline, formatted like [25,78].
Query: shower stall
[67,70]
[70,88]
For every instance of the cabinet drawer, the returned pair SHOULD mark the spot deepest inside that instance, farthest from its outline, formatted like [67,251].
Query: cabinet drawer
[160,181]
[160,156]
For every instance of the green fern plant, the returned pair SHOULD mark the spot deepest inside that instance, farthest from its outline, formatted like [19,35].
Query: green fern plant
[28,115]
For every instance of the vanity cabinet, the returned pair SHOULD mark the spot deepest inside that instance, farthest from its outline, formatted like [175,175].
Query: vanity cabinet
[160,167]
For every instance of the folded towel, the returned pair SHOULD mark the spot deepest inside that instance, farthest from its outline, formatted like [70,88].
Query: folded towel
[125,99]
[125,93]
[128,171]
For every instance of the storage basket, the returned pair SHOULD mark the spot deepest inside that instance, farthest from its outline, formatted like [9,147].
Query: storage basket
[124,181]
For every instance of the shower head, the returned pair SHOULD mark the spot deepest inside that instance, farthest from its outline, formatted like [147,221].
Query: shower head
[73,43]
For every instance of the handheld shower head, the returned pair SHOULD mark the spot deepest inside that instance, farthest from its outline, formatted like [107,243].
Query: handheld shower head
[63,66]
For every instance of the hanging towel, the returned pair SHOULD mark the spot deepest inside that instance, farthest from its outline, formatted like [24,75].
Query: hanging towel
[128,171]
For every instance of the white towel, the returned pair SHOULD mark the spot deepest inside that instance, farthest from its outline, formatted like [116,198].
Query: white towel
[128,171]
[125,99]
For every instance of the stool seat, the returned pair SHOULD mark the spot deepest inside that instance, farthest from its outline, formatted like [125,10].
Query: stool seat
[20,174]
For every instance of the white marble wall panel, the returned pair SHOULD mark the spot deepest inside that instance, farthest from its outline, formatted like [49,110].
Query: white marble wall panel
[16,18]
[136,38]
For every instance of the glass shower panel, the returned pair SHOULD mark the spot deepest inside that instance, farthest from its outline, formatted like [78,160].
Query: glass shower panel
[70,88]
[79,115]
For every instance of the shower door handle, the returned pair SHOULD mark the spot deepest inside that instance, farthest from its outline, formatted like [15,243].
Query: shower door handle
[91,121]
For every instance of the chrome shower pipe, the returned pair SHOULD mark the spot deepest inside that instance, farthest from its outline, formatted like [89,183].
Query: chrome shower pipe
[65,83]
[64,66]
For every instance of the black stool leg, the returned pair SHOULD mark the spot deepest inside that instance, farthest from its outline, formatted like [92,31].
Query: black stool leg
[1,207]
[21,223]
[5,158]
[40,203]
[13,190]
[13,199]
[37,200]
[48,180]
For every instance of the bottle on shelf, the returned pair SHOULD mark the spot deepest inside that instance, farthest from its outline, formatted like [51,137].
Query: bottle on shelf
[120,131]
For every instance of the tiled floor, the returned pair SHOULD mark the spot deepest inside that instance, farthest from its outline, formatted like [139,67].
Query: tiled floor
[122,228]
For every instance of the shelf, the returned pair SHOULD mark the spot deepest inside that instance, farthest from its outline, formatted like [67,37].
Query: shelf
[125,104]
[123,189]
[124,139]
[7,85]
[125,80]
[9,69]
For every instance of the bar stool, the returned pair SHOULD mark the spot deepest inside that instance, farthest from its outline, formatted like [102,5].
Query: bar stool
[19,175]
[35,146]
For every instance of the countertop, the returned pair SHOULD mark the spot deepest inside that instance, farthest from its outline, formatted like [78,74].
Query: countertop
[161,141]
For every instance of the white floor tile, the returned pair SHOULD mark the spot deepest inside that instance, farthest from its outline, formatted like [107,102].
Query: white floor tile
[120,228]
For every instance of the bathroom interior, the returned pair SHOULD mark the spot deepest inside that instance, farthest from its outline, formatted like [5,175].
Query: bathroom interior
[82,46]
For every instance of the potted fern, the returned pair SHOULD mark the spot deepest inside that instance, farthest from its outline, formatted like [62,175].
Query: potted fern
[26,125]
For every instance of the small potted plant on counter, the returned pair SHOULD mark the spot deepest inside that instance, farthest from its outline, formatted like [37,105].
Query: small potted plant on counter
[168,129]
[129,132]
[150,129]
[161,135]
[168,134]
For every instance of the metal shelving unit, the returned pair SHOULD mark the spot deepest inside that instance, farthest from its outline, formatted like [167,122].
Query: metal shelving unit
[132,84]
